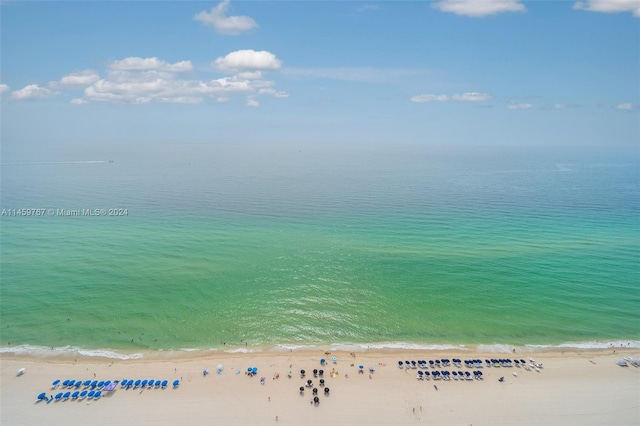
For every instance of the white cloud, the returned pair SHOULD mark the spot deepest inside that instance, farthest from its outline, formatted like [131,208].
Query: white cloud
[32,91]
[429,98]
[222,24]
[465,97]
[247,60]
[3,88]
[80,78]
[252,103]
[609,6]
[78,101]
[267,91]
[626,106]
[140,64]
[479,8]
[471,97]
[250,75]
[281,95]
[520,106]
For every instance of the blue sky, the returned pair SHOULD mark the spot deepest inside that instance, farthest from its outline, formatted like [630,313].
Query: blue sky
[490,72]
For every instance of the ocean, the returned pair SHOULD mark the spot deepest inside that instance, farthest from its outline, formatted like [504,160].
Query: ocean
[250,247]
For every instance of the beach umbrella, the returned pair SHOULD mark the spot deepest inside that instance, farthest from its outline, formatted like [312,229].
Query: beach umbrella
[83,394]
[176,383]
[91,394]
[309,383]
[400,364]
[41,396]
[136,383]
[75,394]
[321,382]
[301,373]
[301,389]
[320,373]
[78,384]
[334,359]
[150,384]
[205,372]
[360,367]
[254,370]
[157,384]
[86,383]
[372,369]
[164,383]
[326,391]
[58,396]
[315,391]
[322,361]
[315,372]
[97,395]
[316,400]
[55,383]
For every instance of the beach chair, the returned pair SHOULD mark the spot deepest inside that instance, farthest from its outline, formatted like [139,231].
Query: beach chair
[420,375]
[400,364]
[326,391]
[427,375]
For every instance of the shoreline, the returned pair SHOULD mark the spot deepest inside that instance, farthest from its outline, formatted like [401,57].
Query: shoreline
[578,386]
[67,352]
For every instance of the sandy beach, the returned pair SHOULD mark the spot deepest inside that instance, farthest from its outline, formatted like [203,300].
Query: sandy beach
[572,387]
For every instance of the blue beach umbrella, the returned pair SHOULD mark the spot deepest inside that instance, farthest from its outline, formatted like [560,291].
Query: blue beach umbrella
[164,384]
[83,394]
[58,396]
[42,396]
[75,394]
[55,383]
[97,395]
[176,383]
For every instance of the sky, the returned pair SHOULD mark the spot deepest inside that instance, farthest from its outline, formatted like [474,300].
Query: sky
[464,72]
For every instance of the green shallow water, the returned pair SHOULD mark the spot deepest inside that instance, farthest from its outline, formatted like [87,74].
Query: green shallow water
[370,247]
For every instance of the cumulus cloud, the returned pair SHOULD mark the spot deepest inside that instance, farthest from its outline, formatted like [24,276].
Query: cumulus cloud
[464,97]
[479,8]
[471,97]
[252,103]
[140,64]
[78,101]
[80,78]
[609,6]
[626,106]
[281,95]
[32,91]
[520,106]
[247,60]
[227,25]
[3,88]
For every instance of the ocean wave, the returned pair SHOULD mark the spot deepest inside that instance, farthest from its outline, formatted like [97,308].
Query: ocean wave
[631,344]
[50,352]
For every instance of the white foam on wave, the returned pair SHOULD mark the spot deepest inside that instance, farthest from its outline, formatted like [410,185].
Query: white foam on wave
[243,350]
[634,344]
[496,348]
[48,352]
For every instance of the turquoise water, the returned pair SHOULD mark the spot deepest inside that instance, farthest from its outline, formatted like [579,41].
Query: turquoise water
[231,245]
